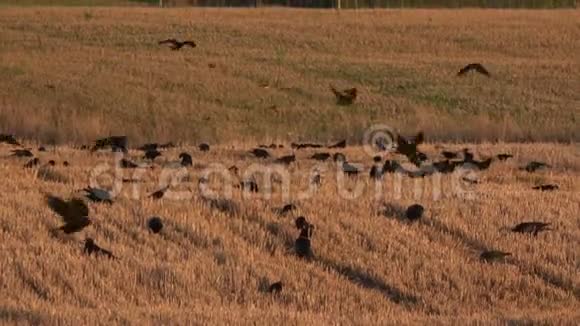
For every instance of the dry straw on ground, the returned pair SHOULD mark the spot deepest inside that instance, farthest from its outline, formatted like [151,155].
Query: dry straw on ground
[210,267]
[70,75]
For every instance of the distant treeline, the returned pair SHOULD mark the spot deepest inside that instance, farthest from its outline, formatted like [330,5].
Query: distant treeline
[535,4]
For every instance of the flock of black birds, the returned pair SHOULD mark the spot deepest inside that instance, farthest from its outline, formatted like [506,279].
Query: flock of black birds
[75,212]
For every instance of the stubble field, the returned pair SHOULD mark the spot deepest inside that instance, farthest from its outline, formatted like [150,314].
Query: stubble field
[68,76]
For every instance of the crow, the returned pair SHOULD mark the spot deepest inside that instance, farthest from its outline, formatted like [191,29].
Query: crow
[476,67]
[349,169]
[260,153]
[533,166]
[414,212]
[22,153]
[204,147]
[344,97]
[320,156]
[185,159]
[275,287]
[546,187]
[98,195]
[504,156]
[74,213]
[449,155]
[285,209]
[127,164]
[158,194]
[177,45]
[117,144]
[285,159]
[151,154]
[531,227]
[8,139]
[155,224]
[302,245]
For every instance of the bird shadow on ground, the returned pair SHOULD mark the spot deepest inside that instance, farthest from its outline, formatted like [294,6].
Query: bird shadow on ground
[534,270]
[363,279]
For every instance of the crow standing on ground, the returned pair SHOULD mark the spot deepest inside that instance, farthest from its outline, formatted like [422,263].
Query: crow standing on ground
[475,67]
[74,213]
[177,45]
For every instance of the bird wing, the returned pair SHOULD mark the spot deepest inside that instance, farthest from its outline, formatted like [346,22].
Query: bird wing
[190,43]
[59,206]
[168,41]
[481,69]
[337,93]
[77,209]
[464,70]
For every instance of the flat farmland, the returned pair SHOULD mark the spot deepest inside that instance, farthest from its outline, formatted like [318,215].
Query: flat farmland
[69,75]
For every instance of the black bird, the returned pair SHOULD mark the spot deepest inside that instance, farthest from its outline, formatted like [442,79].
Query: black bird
[377,158]
[177,45]
[298,146]
[408,147]
[74,213]
[504,156]
[444,166]
[414,212]
[376,172]
[33,162]
[344,97]
[302,245]
[158,194]
[127,164]
[533,166]
[8,139]
[155,224]
[204,147]
[98,195]
[340,144]
[148,147]
[151,154]
[349,169]
[117,144]
[92,248]
[391,166]
[286,159]
[482,165]
[546,187]
[275,287]
[285,209]
[475,67]
[22,153]
[65,163]
[449,155]
[185,159]
[51,163]
[41,149]
[467,156]
[320,156]
[531,227]
[260,153]
[493,256]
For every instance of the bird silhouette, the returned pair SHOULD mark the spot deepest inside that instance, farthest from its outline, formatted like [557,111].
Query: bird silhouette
[22,153]
[493,256]
[376,172]
[260,153]
[408,147]
[92,248]
[475,67]
[9,139]
[532,227]
[65,163]
[98,195]
[286,159]
[204,147]
[185,159]
[546,187]
[320,156]
[414,212]
[275,287]
[155,224]
[151,154]
[177,45]
[302,245]
[127,164]
[344,97]
[340,144]
[116,143]
[350,169]
[298,146]
[74,213]
[41,149]
[449,155]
